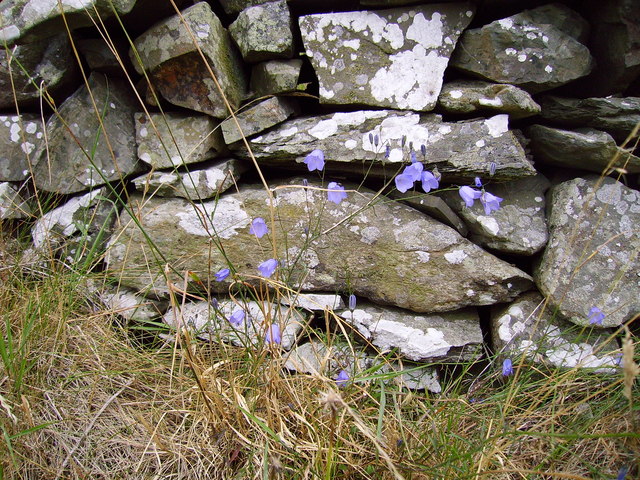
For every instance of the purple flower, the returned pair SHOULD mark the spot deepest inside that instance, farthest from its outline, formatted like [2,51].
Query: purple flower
[387,152]
[336,193]
[478,182]
[268,267]
[315,160]
[507,367]
[273,334]
[222,274]
[342,378]
[469,195]
[414,170]
[492,169]
[595,316]
[258,227]
[352,302]
[429,181]
[490,202]
[414,159]
[423,150]
[236,318]
[404,182]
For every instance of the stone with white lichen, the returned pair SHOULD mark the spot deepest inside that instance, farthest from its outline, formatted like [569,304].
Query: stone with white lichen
[257,118]
[392,58]
[591,259]
[19,137]
[12,204]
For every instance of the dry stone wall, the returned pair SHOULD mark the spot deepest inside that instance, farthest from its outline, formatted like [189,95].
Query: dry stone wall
[441,166]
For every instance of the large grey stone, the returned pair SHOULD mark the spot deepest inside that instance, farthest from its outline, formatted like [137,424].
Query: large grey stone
[170,51]
[387,252]
[616,116]
[528,327]
[35,69]
[85,147]
[519,51]
[583,148]
[236,6]
[591,259]
[387,58]
[446,336]
[469,96]
[518,227]
[461,150]
[174,139]
[257,118]
[12,204]
[275,76]
[19,136]
[194,184]
[263,32]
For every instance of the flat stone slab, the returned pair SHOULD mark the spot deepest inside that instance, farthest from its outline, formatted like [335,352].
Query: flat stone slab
[19,136]
[169,53]
[460,150]
[275,76]
[174,139]
[387,252]
[528,327]
[83,149]
[392,58]
[519,227]
[314,302]
[12,204]
[591,259]
[257,118]
[197,184]
[471,96]
[212,324]
[582,148]
[433,206]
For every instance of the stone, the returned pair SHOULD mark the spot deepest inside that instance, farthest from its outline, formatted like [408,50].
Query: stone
[99,55]
[19,136]
[433,206]
[174,139]
[392,58]
[275,76]
[232,7]
[528,327]
[563,18]
[616,116]
[519,51]
[129,304]
[170,53]
[591,259]
[12,204]
[27,21]
[386,252]
[422,338]
[257,118]
[263,32]
[315,358]
[313,302]
[46,64]
[460,150]
[213,324]
[475,96]
[85,148]
[519,227]
[77,229]
[582,148]
[197,184]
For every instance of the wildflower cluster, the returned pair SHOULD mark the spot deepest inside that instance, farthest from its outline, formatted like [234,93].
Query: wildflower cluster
[489,201]
[416,173]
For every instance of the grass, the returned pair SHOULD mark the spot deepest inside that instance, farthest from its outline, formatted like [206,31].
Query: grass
[84,394]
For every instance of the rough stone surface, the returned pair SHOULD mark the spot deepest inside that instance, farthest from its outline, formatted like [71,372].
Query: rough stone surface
[97,149]
[518,227]
[314,302]
[178,72]
[433,206]
[194,184]
[174,139]
[130,305]
[583,148]
[616,116]
[48,64]
[520,51]
[446,336]
[31,20]
[592,255]
[257,118]
[275,76]
[263,32]
[316,358]
[12,204]
[528,327]
[468,96]
[387,252]
[387,58]
[461,150]
[19,136]
[99,55]
[212,324]
[236,6]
